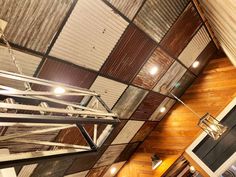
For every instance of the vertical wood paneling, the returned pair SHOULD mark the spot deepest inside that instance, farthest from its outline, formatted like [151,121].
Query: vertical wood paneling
[182,31]
[157,16]
[211,92]
[129,101]
[127,7]
[159,61]
[148,106]
[129,55]
[33,24]
[170,79]
[128,132]
[195,47]
[221,17]
[89,35]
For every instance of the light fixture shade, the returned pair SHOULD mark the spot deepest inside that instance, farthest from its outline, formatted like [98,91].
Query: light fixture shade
[156,161]
[212,126]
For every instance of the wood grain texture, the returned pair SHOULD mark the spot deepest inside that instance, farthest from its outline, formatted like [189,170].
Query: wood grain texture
[33,24]
[148,106]
[130,53]
[211,92]
[144,131]
[170,79]
[129,101]
[127,152]
[160,61]
[110,155]
[182,31]
[95,172]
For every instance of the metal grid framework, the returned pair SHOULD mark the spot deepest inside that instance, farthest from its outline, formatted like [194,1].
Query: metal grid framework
[48,109]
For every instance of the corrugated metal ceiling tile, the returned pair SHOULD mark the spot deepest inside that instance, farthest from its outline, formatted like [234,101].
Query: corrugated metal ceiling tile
[33,24]
[27,170]
[80,174]
[89,35]
[157,16]
[127,7]
[195,47]
[28,63]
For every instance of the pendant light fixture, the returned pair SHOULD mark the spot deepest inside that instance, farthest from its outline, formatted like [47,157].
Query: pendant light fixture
[207,123]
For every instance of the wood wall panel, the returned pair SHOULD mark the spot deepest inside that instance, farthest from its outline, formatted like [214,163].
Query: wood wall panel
[211,92]
[148,106]
[130,53]
[182,31]
[159,61]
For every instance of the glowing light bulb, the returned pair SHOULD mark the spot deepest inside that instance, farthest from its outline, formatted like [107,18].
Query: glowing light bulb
[192,169]
[59,90]
[113,170]
[196,64]
[163,109]
[153,70]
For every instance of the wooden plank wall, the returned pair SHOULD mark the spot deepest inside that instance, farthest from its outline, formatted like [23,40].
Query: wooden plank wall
[211,92]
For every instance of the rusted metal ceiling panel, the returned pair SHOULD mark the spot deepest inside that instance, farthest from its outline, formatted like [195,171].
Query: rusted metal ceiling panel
[148,106]
[129,101]
[95,172]
[157,16]
[28,63]
[127,7]
[153,69]
[195,47]
[89,35]
[128,132]
[170,79]
[127,152]
[130,53]
[182,31]
[33,24]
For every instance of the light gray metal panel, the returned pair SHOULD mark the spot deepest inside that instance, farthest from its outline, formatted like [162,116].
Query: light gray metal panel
[129,101]
[27,170]
[157,16]
[89,35]
[195,47]
[171,78]
[33,24]
[128,7]
[28,63]
[80,174]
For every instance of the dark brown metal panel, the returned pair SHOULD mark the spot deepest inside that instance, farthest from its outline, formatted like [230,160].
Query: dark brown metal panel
[97,172]
[144,131]
[157,16]
[129,101]
[127,152]
[204,57]
[52,168]
[66,73]
[148,106]
[85,162]
[153,70]
[129,55]
[183,84]
[182,31]
[110,155]
[33,24]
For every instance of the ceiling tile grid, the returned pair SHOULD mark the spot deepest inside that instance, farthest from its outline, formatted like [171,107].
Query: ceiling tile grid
[157,16]
[33,24]
[89,35]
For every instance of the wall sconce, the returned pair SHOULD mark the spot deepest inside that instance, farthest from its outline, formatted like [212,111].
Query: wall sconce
[156,161]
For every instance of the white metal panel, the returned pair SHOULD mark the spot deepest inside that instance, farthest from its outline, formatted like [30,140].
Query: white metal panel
[128,132]
[27,170]
[89,35]
[109,90]
[28,63]
[195,47]
[80,174]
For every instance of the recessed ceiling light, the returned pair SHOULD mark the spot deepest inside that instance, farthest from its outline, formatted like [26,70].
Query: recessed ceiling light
[163,109]
[153,70]
[196,64]
[113,170]
[192,169]
[59,90]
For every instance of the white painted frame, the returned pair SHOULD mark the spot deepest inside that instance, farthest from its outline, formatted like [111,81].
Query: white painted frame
[227,163]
